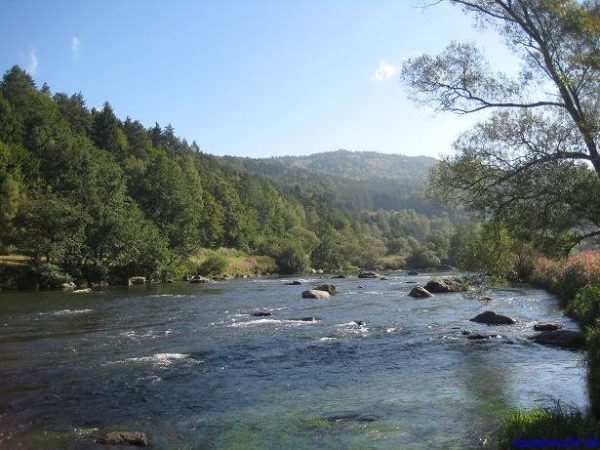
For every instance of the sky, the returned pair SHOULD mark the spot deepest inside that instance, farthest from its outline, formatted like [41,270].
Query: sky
[251,78]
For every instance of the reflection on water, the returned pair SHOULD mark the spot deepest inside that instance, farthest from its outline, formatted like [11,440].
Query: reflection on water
[193,368]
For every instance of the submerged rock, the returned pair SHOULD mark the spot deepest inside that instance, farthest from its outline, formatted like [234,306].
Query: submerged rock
[561,338]
[135,438]
[412,272]
[419,292]
[480,336]
[547,326]
[199,279]
[83,291]
[343,416]
[313,293]
[368,274]
[491,318]
[330,288]
[383,278]
[293,283]
[136,280]
[306,319]
[340,276]
[261,314]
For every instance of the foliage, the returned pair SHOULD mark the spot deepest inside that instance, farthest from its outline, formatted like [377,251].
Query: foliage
[534,163]
[104,198]
[292,260]
[213,265]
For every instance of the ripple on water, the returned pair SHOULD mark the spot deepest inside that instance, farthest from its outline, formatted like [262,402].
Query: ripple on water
[161,360]
[66,312]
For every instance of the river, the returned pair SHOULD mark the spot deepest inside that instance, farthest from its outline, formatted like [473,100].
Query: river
[189,365]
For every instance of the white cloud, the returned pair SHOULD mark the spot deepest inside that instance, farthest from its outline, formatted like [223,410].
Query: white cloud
[32,63]
[75,44]
[385,71]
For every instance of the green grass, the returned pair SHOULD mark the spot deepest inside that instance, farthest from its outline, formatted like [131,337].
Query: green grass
[227,262]
[558,423]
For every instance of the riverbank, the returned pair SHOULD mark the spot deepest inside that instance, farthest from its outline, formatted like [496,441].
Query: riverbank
[576,282]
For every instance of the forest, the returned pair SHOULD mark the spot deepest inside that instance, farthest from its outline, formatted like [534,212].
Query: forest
[90,198]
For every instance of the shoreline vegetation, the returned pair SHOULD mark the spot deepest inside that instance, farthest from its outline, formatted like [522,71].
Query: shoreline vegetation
[575,280]
[88,198]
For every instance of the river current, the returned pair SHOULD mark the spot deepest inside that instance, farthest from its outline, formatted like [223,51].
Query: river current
[193,368]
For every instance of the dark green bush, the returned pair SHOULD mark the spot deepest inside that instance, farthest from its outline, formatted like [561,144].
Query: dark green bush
[213,265]
[51,276]
[291,260]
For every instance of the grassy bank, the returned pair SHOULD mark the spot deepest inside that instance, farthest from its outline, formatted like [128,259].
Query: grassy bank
[227,263]
[576,282]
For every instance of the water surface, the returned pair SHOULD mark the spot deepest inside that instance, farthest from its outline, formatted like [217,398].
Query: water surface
[192,368]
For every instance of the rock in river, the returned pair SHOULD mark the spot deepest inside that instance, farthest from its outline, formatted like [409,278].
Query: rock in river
[136,438]
[561,338]
[491,318]
[547,326]
[368,275]
[341,276]
[293,283]
[261,314]
[445,286]
[200,279]
[419,292]
[330,288]
[313,293]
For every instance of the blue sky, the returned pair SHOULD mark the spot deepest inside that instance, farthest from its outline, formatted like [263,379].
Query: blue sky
[248,77]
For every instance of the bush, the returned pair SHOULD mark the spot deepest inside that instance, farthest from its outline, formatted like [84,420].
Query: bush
[50,276]
[292,260]
[213,265]
[585,307]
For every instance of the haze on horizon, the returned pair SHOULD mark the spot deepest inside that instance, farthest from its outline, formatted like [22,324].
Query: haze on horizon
[254,79]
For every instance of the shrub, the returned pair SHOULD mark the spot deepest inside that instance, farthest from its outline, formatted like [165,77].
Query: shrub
[291,260]
[50,276]
[213,265]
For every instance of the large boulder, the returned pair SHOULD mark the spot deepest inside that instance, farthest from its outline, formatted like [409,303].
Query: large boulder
[330,288]
[136,280]
[444,286]
[82,291]
[547,326]
[313,293]
[368,274]
[135,438]
[491,318]
[419,292]
[561,338]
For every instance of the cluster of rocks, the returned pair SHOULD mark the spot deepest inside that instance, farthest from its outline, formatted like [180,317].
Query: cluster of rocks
[135,438]
[550,333]
[320,292]
[445,286]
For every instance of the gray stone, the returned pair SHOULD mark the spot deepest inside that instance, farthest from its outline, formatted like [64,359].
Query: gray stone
[313,293]
[419,292]
[561,338]
[491,318]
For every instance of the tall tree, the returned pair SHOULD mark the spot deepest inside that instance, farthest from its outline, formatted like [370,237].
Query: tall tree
[545,122]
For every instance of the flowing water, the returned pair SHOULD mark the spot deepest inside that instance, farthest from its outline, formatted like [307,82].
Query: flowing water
[190,366]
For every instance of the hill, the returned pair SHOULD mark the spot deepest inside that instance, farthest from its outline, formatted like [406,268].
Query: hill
[353,181]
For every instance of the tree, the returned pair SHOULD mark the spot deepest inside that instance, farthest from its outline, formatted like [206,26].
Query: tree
[538,152]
